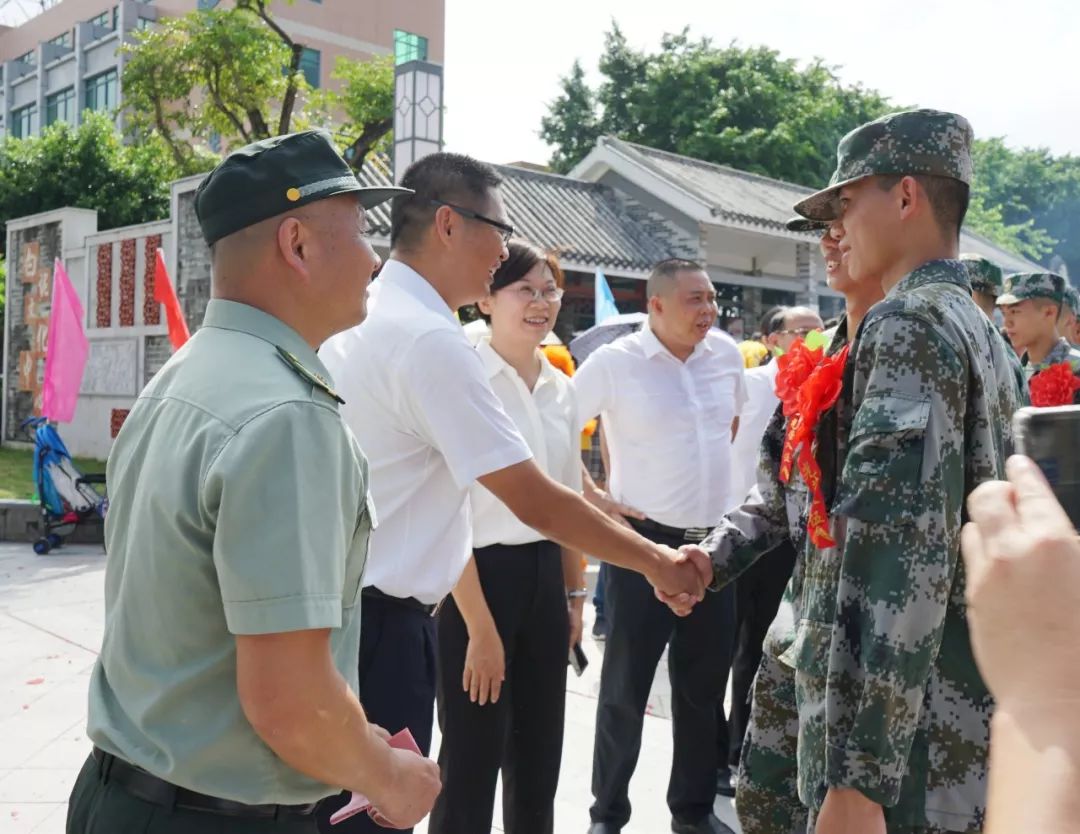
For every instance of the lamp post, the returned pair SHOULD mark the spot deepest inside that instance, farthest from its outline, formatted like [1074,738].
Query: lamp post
[418,106]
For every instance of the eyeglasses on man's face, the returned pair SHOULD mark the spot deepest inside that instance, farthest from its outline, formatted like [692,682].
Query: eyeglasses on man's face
[801,332]
[506,231]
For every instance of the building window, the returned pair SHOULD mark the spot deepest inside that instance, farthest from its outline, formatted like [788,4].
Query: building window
[106,20]
[310,64]
[60,107]
[207,4]
[28,57]
[101,91]
[66,40]
[22,121]
[409,47]
[144,22]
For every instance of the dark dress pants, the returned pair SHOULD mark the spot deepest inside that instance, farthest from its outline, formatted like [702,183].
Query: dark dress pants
[639,626]
[101,806]
[758,593]
[397,687]
[523,732]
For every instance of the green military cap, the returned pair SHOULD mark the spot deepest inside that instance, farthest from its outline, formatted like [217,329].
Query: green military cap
[270,177]
[1072,298]
[910,142]
[804,224]
[986,276]
[1032,285]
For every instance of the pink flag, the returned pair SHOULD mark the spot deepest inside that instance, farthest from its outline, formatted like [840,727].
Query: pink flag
[65,351]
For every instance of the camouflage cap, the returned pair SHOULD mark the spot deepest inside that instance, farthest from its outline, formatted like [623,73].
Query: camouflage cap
[1072,299]
[803,224]
[986,276]
[910,142]
[1024,285]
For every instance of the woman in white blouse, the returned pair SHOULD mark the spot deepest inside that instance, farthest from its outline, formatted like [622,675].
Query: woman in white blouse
[506,631]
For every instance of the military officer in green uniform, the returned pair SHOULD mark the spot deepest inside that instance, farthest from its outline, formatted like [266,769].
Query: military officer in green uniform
[986,281]
[1032,304]
[223,698]
[893,715]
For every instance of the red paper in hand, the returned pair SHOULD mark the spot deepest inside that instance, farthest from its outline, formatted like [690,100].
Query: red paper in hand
[359,803]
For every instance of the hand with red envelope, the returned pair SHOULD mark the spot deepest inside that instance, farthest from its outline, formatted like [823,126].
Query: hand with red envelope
[412,808]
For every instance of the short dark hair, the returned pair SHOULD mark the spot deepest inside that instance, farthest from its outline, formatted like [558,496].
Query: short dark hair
[663,272]
[523,257]
[948,197]
[773,320]
[450,177]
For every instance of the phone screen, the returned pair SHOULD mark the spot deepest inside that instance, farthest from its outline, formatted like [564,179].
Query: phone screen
[1051,438]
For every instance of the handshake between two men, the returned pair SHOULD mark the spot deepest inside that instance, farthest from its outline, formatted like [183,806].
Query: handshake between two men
[679,577]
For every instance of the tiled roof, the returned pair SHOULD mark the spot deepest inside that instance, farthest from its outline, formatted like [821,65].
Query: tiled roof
[750,198]
[730,193]
[580,220]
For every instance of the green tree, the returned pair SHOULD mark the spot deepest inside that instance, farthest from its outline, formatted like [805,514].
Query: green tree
[1036,194]
[235,73]
[571,126]
[88,167]
[364,102]
[749,108]
[745,107]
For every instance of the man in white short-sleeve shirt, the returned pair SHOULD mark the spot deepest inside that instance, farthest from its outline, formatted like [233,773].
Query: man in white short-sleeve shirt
[669,396]
[418,398]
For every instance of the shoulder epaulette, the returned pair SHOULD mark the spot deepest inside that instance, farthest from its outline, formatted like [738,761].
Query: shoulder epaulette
[315,379]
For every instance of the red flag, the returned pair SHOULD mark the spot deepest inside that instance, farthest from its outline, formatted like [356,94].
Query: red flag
[166,294]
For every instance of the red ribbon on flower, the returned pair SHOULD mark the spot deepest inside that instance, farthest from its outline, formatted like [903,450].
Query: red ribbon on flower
[1056,385]
[793,369]
[816,395]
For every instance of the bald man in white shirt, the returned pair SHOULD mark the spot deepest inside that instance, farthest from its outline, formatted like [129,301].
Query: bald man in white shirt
[669,397]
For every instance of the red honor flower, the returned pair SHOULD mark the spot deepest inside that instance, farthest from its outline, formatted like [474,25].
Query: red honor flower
[793,369]
[817,394]
[1057,385]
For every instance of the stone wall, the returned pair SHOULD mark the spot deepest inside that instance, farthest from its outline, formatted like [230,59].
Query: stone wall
[193,260]
[31,253]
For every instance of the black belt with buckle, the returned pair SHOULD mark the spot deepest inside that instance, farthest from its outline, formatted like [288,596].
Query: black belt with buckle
[149,788]
[692,535]
[371,592]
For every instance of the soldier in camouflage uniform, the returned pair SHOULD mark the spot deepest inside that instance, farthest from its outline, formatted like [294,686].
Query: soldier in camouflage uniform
[1032,304]
[893,715]
[1071,327]
[1069,324]
[767,795]
[986,282]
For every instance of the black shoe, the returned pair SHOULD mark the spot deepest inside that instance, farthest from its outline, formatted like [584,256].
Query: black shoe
[599,632]
[709,825]
[725,785]
[604,828]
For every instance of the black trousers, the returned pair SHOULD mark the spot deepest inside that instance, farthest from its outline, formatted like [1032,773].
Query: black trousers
[99,806]
[523,732]
[758,592]
[397,687]
[639,626]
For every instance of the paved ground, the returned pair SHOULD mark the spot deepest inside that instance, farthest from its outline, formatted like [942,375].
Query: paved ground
[51,620]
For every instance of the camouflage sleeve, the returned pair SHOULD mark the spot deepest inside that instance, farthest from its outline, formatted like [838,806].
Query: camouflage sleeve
[901,492]
[748,532]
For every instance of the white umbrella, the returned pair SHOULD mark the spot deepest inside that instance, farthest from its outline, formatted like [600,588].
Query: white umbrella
[606,331]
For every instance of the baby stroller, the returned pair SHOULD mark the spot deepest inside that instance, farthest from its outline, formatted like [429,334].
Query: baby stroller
[68,498]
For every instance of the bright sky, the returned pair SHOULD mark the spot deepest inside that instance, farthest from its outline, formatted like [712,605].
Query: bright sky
[1010,67]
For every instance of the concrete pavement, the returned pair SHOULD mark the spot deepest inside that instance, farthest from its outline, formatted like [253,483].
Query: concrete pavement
[51,623]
